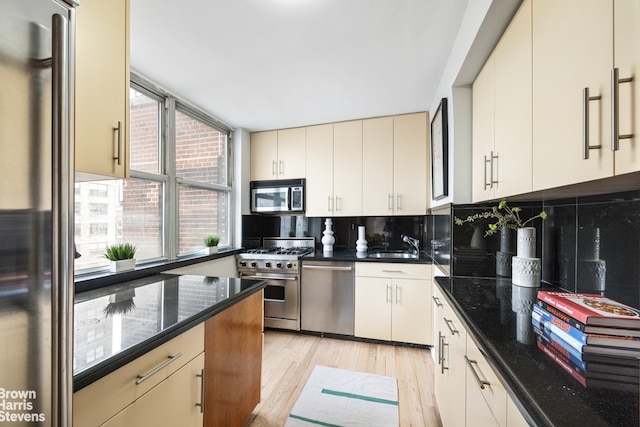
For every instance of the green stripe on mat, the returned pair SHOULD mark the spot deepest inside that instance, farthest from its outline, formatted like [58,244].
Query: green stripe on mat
[359,396]
[309,420]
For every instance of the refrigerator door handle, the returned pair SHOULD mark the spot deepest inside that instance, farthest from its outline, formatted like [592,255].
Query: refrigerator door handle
[62,265]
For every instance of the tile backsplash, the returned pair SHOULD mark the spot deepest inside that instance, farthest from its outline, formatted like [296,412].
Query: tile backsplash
[588,244]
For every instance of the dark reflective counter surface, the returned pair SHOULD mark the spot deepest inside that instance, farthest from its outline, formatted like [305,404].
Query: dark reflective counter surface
[115,324]
[498,316]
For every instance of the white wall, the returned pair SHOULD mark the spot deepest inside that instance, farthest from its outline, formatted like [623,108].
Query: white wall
[241,175]
[483,24]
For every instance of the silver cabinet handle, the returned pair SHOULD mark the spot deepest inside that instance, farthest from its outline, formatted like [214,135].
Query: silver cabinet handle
[143,378]
[489,161]
[273,168]
[328,203]
[437,301]
[389,294]
[281,167]
[390,201]
[397,297]
[586,145]
[486,184]
[327,267]
[451,328]
[398,199]
[392,271]
[470,363]
[337,205]
[201,404]
[442,367]
[270,278]
[118,155]
[615,109]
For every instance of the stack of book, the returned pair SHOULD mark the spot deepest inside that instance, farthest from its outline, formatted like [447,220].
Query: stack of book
[592,337]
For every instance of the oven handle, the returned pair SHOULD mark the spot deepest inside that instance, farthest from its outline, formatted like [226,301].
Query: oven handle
[323,267]
[268,278]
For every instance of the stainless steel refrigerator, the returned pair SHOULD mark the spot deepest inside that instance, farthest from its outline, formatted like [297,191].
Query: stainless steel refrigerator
[36,212]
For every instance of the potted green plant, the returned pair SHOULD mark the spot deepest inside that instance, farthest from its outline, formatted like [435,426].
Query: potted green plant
[211,244]
[121,257]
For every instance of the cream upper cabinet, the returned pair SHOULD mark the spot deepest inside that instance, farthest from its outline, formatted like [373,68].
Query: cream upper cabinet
[483,133]
[102,88]
[319,165]
[410,165]
[377,166]
[627,61]
[502,103]
[572,59]
[278,154]
[347,168]
[264,155]
[395,168]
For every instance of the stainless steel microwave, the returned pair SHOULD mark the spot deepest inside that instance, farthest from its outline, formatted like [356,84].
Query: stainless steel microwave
[281,196]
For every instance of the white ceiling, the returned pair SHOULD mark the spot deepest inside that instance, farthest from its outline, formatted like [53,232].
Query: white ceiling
[270,64]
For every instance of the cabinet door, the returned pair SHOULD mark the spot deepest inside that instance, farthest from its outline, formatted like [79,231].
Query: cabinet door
[410,166]
[373,308]
[488,403]
[291,153]
[411,311]
[174,402]
[102,88]
[453,406]
[513,103]
[627,60]
[377,166]
[572,50]
[319,167]
[483,133]
[264,155]
[347,168]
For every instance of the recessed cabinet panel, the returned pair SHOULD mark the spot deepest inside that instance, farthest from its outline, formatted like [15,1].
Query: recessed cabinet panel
[377,166]
[410,165]
[347,168]
[484,133]
[264,155]
[291,153]
[319,167]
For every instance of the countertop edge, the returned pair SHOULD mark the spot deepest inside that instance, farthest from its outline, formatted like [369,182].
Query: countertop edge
[110,365]
[533,414]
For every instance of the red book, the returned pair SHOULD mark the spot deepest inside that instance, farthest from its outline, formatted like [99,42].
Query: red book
[593,309]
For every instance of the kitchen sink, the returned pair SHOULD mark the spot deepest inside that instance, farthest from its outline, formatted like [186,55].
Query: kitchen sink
[393,255]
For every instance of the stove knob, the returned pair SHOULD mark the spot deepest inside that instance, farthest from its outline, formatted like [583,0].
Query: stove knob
[254,264]
[267,264]
[279,265]
[243,263]
[289,265]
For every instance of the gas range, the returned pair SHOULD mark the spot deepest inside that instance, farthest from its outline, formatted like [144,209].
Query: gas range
[276,255]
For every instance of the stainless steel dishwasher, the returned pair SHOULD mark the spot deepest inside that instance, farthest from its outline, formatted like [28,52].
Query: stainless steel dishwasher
[327,297]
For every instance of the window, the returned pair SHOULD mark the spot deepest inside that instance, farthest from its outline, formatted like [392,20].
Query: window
[178,191]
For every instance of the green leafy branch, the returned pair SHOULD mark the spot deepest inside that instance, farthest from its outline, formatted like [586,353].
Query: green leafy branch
[505,216]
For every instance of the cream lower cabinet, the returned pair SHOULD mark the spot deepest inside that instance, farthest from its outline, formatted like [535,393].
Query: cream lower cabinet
[132,384]
[102,88]
[467,390]
[392,302]
[176,401]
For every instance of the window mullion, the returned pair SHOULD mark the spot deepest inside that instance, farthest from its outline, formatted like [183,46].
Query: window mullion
[171,188]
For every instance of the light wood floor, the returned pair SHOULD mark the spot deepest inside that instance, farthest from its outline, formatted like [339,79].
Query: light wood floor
[289,359]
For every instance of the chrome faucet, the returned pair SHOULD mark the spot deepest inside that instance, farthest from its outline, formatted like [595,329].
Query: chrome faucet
[415,243]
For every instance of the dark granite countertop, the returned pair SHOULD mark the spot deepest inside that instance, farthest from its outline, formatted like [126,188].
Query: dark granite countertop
[116,324]
[351,256]
[549,394]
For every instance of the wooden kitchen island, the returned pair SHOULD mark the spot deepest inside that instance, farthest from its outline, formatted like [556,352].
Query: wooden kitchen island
[168,350]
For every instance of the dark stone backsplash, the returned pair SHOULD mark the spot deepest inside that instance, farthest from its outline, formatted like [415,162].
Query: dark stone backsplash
[588,244]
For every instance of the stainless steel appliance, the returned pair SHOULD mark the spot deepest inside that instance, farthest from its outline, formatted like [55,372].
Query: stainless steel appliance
[36,211]
[327,297]
[277,196]
[278,262]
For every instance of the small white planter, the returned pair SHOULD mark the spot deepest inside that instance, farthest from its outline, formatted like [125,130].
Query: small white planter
[210,250]
[122,265]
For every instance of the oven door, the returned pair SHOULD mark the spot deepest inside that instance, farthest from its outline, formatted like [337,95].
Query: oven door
[281,301]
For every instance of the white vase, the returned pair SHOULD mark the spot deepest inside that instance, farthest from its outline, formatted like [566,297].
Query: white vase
[525,267]
[122,265]
[361,243]
[327,239]
[210,250]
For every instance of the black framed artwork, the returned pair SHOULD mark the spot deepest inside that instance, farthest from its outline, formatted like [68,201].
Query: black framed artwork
[439,152]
